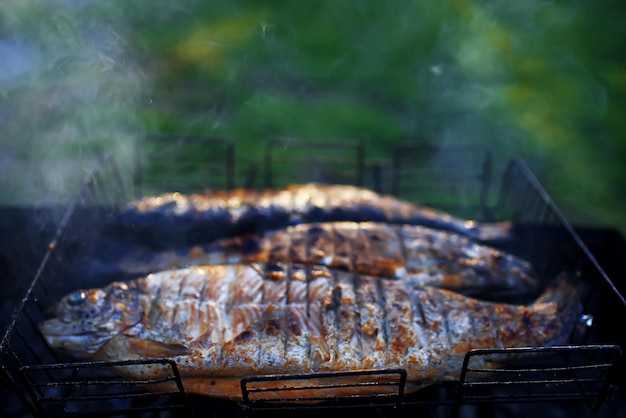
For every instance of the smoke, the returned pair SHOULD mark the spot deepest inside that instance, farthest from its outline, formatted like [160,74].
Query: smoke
[531,78]
[69,89]
[528,79]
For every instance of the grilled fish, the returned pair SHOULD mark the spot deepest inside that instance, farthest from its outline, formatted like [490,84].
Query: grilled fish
[162,220]
[427,256]
[223,323]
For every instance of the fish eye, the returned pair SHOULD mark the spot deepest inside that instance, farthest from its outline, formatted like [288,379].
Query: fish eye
[76,298]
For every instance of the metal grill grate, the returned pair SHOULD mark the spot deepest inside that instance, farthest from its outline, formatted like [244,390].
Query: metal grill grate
[183,163]
[50,385]
[454,177]
[538,374]
[45,384]
[288,161]
[85,388]
[379,388]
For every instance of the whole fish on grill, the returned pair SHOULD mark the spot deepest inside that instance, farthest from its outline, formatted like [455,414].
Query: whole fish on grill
[427,256]
[223,323]
[169,219]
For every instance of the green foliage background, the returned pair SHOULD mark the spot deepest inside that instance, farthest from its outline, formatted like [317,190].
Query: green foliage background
[534,78]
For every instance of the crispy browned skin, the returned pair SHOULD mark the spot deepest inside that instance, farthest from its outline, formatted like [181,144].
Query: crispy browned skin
[222,323]
[427,256]
[203,217]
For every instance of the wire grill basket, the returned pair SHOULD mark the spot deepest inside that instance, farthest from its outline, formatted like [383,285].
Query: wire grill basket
[51,385]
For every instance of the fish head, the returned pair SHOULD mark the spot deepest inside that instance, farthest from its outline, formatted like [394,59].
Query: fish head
[85,320]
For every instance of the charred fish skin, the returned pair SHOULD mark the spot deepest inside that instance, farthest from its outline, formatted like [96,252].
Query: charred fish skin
[408,252]
[222,323]
[161,220]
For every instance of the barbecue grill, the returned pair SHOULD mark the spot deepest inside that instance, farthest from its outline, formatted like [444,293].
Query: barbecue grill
[470,184]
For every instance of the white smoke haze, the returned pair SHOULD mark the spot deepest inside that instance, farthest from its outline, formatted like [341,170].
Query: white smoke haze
[69,87]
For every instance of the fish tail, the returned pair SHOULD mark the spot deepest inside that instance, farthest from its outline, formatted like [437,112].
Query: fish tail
[560,307]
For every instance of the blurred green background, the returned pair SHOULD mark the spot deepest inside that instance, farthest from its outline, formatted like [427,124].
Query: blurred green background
[542,79]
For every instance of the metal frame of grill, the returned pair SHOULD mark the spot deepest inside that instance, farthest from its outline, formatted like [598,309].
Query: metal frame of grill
[544,371]
[418,172]
[49,385]
[326,162]
[376,388]
[215,166]
[69,389]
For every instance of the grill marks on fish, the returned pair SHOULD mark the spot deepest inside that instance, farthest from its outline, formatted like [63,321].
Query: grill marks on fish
[296,336]
[427,256]
[401,335]
[360,321]
[347,323]
[372,339]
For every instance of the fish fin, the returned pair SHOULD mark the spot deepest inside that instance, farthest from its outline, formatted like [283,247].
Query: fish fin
[156,349]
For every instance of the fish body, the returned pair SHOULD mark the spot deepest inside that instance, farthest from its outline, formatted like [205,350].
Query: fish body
[223,323]
[161,220]
[409,252]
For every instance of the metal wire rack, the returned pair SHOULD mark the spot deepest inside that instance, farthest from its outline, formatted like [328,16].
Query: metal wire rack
[288,161]
[50,385]
[46,384]
[379,388]
[453,177]
[159,160]
[539,374]
[86,388]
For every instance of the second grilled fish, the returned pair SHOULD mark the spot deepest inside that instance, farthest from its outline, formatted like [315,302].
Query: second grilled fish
[424,255]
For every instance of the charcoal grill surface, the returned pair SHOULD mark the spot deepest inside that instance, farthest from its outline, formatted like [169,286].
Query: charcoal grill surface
[49,385]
